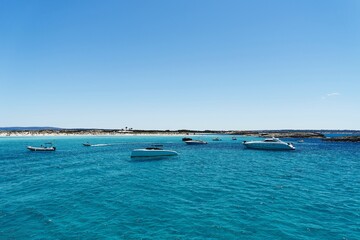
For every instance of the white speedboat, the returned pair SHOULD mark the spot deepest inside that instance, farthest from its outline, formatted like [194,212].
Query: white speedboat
[47,148]
[195,142]
[269,144]
[153,151]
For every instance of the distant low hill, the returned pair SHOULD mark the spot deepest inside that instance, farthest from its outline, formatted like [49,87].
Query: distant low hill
[241,132]
[28,128]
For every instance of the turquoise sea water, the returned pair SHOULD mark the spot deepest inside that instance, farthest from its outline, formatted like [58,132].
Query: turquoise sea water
[214,191]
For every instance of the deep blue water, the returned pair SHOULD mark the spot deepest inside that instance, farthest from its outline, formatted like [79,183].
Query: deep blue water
[214,191]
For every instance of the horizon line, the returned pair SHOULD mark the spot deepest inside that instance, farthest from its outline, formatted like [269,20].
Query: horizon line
[172,130]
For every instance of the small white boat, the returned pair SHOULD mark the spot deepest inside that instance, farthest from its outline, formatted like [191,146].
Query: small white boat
[216,139]
[269,144]
[234,138]
[153,151]
[301,141]
[47,148]
[96,145]
[195,142]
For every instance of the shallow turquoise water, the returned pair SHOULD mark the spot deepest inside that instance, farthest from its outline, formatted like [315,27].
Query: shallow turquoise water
[214,191]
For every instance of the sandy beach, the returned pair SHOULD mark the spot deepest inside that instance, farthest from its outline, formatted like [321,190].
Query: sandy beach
[180,133]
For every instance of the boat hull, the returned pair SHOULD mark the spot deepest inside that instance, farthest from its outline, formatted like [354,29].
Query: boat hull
[152,153]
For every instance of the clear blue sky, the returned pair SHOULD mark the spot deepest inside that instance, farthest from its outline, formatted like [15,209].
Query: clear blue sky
[180,64]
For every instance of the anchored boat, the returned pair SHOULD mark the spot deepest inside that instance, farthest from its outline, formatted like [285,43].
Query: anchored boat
[47,148]
[153,151]
[195,142]
[269,144]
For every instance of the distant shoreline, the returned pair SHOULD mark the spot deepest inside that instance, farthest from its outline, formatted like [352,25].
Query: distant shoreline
[352,136]
[117,132]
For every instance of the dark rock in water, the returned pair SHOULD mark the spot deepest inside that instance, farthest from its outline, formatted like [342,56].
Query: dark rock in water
[344,139]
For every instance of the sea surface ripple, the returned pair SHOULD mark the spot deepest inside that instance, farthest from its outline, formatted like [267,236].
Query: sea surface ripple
[214,191]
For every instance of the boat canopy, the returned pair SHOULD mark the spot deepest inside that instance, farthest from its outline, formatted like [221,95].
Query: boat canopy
[271,140]
[153,148]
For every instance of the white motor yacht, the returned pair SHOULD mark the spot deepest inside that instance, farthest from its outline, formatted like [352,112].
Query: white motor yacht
[47,148]
[153,151]
[269,144]
[195,142]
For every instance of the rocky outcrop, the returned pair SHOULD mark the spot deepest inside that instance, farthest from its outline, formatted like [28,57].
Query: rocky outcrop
[281,134]
[293,135]
[344,139]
